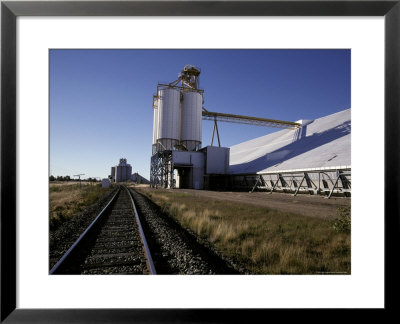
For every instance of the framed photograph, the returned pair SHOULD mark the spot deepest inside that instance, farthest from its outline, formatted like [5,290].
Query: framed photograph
[52,55]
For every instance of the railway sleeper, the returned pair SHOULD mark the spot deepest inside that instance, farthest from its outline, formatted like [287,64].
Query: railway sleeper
[118,235]
[124,270]
[120,223]
[106,240]
[112,250]
[116,263]
[110,255]
[115,245]
[118,229]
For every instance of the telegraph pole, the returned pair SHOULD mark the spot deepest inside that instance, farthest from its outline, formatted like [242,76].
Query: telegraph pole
[79,175]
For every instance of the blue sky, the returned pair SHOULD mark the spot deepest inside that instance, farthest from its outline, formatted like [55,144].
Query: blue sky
[100,100]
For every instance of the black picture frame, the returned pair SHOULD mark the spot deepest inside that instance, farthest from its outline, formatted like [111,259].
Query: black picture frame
[10,10]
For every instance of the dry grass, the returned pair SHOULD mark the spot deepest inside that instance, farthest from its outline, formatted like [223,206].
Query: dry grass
[69,198]
[262,240]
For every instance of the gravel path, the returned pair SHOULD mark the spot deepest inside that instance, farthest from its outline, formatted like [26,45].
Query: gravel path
[175,250]
[306,205]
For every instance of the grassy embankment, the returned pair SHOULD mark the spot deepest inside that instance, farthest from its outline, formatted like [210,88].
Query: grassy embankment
[263,240]
[69,198]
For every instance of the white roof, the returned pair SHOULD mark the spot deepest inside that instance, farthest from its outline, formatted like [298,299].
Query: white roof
[322,143]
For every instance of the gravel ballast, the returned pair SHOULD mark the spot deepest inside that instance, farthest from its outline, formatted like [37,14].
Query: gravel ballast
[174,249]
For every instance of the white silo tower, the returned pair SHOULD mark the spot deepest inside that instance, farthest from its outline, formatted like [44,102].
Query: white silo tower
[168,119]
[177,116]
[191,120]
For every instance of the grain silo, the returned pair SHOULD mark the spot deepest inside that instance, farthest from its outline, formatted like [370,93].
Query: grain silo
[168,119]
[112,176]
[177,117]
[191,120]
[121,172]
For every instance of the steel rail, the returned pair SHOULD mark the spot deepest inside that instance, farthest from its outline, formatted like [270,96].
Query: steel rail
[73,246]
[143,237]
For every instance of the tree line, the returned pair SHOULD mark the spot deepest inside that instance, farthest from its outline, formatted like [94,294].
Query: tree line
[68,178]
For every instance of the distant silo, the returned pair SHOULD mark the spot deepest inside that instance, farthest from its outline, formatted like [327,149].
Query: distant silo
[113,174]
[123,171]
[191,120]
[168,118]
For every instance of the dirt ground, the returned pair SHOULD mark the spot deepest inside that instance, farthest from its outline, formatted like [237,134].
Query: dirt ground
[307,205]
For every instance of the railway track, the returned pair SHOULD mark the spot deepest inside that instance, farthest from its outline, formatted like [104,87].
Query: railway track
[114,243]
